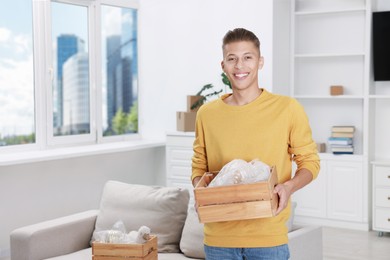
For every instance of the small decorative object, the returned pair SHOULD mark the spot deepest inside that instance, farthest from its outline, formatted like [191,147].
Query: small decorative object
[336,90]
[321,147]
[140,236]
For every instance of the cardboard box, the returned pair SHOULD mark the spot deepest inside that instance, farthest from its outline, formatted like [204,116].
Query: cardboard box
[146,251]
[185,121]
[236,202]
[336,90]
[192,100]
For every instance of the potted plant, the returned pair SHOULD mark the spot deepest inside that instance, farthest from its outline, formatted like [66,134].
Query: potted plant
[201,97]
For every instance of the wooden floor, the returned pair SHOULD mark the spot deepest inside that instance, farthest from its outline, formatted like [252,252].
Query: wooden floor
[345,244]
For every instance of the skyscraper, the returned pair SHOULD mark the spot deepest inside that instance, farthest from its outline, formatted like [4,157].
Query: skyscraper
[67,46]
[113,59]
[76,114]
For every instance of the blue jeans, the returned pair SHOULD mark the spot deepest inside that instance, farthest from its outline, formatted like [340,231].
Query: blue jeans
[257,253]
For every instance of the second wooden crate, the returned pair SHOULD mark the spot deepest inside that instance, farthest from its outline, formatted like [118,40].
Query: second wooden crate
[106,251]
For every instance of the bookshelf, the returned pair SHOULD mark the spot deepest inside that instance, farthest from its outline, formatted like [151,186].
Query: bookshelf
[330,45]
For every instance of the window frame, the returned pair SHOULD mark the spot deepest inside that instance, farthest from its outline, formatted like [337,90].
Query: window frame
[134,4]
[44,75]
[88,138]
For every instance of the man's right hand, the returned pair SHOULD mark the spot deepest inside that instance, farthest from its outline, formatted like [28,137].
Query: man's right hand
[195,181]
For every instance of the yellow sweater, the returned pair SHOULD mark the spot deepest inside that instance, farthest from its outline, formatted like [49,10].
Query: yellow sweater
[272,128]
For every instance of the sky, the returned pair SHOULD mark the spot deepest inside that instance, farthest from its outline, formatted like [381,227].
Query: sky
[16,56]
[16,68]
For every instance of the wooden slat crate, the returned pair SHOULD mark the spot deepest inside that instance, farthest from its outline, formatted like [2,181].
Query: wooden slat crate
[235,202]
[105,251]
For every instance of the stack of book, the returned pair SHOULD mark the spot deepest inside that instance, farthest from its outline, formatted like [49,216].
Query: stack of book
[341,140]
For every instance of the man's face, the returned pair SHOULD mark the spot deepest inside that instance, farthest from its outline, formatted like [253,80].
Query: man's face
[241,63]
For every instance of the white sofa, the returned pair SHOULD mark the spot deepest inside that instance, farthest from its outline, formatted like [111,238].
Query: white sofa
[163,209]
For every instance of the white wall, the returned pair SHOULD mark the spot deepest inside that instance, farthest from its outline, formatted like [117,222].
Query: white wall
[180,51]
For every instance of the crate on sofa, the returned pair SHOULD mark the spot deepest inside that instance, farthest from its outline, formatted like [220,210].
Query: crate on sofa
[234,202]
[107,251]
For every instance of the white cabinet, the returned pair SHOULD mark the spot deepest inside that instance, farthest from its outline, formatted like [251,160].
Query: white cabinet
[345,196]
[179,159]
[337,197]
[311,200]
[381,197]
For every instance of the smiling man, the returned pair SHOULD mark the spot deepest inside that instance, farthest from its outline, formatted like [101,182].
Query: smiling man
[252,123]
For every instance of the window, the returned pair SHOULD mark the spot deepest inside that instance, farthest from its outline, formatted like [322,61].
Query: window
[84,65]
[17,111]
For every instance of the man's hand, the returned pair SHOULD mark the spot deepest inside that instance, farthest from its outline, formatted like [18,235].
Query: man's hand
[284,192]
[195,181]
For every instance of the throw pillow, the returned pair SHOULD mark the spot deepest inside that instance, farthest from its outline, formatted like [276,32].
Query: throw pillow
[162,209]
[191,243]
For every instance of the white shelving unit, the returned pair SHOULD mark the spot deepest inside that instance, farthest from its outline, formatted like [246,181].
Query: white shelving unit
[330,45]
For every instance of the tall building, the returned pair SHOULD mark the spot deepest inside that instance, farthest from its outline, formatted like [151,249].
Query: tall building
[113,59]
[76,95]
[122,66]
[67,46]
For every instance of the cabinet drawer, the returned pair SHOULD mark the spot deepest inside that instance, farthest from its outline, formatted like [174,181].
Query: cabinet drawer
[382,176]
[179,172]
[382,219]
[382,197]
[180,154]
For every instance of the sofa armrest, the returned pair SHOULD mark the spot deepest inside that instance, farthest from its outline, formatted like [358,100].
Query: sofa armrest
[54,237]
[305,243]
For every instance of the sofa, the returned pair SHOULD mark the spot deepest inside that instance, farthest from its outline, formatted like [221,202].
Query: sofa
[163,209]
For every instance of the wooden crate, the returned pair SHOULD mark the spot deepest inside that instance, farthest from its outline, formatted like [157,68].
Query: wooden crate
[235,202]
[105,251]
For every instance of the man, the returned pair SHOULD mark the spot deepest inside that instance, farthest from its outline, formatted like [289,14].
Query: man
[251,123]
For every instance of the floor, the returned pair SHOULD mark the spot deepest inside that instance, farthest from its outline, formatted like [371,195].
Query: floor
[345,244]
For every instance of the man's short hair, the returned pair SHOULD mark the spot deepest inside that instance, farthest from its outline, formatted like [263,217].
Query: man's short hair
[238,35]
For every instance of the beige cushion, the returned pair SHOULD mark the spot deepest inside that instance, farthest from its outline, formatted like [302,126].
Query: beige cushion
[162,209]
[191,243]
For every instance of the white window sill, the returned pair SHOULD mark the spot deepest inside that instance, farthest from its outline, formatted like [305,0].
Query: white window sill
[76,151]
